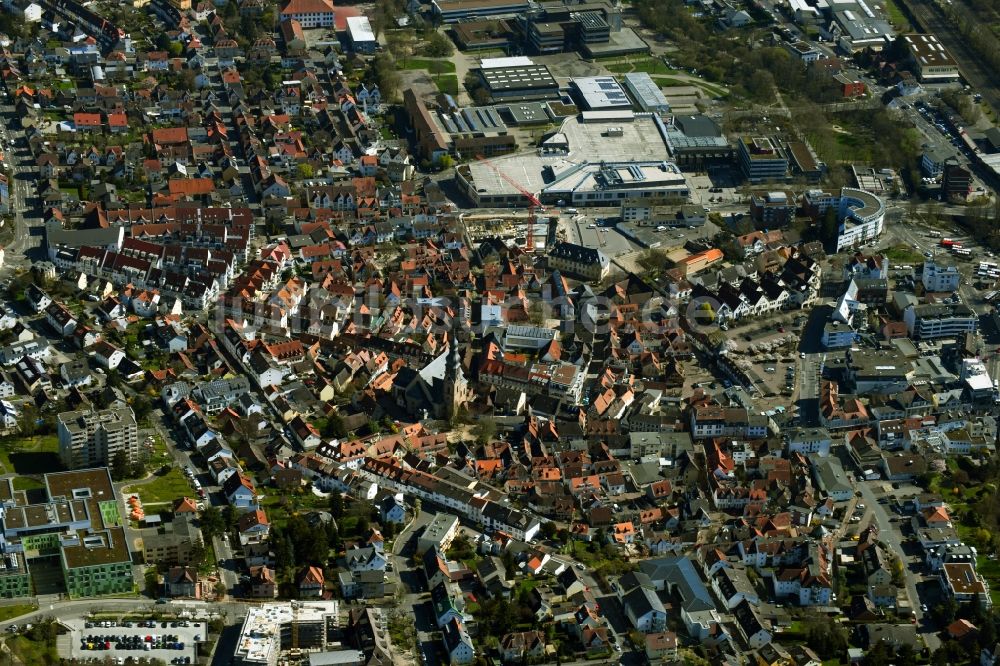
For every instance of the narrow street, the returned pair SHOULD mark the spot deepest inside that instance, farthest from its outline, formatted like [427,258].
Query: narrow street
[889,534]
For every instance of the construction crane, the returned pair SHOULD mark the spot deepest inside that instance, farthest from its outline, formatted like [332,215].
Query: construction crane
[294,651]
[533,201]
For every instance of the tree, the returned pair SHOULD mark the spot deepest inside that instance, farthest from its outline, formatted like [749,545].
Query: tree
[439,46]
[335,426]
[152,580]
[29,419]
[197,554]
[829,228]
[484,431]
[549,530]
[229,516]
[304,171]
[386,75]
[119,466]
[336,505]
[212,522]
[220,589]
[141,407]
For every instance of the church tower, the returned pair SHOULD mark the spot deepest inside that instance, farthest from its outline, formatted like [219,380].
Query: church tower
[456,386]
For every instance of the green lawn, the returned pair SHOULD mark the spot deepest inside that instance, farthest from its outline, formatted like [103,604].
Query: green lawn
[446,66]
[649,65]
[710,89]
[163,489]
[159,455]
[904,254]
[896,16]
[27,483]
[32,652]
[990,571]
[30,455]
[17,610]
[447,83]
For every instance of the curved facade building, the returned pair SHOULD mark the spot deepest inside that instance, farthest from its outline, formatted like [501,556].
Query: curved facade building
[860,214]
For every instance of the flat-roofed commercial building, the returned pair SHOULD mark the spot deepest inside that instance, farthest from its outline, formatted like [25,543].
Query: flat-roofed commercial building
[696,142]
[931,60]
[272,628]
[761,159]
[487,34]
[453,11]
[600,92]
[361,35]
[937,320]
[79,523]
[645,93]
[521,82]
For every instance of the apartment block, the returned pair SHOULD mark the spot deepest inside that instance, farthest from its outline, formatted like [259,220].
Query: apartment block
[93,438]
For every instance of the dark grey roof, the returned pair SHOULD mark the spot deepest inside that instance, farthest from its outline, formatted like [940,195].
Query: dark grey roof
[679,573]
[641,601]
[697,126]
[578,253]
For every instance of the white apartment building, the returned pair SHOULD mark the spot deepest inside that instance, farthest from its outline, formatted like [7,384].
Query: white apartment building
[93,438]
[940,278]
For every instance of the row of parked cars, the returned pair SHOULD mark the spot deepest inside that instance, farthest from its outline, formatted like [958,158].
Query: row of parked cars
[133,642]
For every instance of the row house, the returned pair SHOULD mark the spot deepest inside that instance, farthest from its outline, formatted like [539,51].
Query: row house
[710,421]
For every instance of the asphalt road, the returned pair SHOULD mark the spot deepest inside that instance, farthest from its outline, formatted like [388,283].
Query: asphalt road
[226,561]
[889,534]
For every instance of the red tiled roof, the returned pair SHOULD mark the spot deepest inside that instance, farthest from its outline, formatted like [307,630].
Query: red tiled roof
[307,7]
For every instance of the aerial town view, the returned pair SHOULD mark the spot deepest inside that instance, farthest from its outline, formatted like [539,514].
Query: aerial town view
[499,332]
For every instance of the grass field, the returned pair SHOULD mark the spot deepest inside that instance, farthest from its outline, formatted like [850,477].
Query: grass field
[17,610]
[902,253]
[32,652]
[30,455]
[446,83]
[446,66]
[163,489]
[710,89]
[649,65]
[841,147]
[990,571]
[896,16]
[27,483]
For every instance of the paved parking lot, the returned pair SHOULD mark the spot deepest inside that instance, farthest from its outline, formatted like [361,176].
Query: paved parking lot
[187,635]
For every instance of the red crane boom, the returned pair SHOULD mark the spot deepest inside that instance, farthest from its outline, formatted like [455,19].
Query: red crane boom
[533,201]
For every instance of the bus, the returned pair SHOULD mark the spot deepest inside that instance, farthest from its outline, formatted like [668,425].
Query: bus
[947,242]
[934,234]
[961,252]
